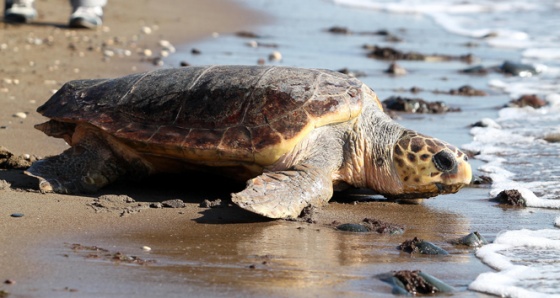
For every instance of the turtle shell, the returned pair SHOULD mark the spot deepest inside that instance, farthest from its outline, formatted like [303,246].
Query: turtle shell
[249,114]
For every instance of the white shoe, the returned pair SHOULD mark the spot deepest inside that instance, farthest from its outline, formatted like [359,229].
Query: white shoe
[89,17]
[19,11]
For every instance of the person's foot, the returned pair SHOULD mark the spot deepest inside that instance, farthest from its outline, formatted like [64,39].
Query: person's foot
[19,11]
[86,17]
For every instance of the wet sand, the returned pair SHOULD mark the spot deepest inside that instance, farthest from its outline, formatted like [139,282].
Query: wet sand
[195,251]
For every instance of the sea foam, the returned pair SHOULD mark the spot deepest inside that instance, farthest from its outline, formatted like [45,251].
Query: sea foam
[527,264]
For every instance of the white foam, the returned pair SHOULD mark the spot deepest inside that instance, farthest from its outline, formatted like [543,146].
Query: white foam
[542,53]
[515,275]
[460,17]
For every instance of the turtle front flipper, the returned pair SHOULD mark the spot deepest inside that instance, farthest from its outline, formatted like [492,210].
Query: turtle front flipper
[284,194]
[85,167]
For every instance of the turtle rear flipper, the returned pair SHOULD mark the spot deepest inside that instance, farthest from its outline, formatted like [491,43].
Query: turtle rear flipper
[85,167]
[284,194]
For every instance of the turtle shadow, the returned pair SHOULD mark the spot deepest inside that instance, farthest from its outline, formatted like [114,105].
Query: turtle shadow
[356,195]
[190,187]
[18,180]
[229,214]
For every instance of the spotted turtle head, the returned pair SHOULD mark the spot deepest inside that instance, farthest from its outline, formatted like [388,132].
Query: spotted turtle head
[427,166]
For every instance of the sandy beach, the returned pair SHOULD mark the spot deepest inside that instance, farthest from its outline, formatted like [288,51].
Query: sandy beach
[118,243]
[37,59]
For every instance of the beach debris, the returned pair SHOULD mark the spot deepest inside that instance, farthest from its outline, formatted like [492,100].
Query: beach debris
[416,105]
[9,161]
[481,180]
[157,61]
[146,248]
[21,115]
[511,197]
[372,225]
[340,30]
[416,245]
[177,203]
[16,215]
[95,252]
[507,67]
[247,34]
[396,69]
[147,53]
[389,53]
[9,282]
[552,137]
[487,122]
[256,44]
[467,90]
[473,239]
[275,56]
[217,203]
[518,69]
[415,282]
[531,100]
[166,45]
[121,204]
[195,51]
[184,64]
[352,73]
[476,70]
[355,228]
[156,205]
[261,61]
[4,294]
[146,30]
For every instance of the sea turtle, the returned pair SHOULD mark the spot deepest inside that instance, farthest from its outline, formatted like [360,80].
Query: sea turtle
[294,134]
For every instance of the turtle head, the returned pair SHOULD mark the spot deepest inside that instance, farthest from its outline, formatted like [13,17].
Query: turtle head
[427,166]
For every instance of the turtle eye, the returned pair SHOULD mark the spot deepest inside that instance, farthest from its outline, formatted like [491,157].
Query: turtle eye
[445,161]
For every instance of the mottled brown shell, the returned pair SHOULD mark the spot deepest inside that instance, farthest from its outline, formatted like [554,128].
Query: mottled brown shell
[211,114]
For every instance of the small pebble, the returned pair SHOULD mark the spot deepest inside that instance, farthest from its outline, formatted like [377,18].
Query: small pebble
[147,52]
[396,69]
[275,56]
[16,215]
[261,61]
[21,115]
[174,203]
[156,205]
[157,61]
[146,30]
[10,282]
[146,248]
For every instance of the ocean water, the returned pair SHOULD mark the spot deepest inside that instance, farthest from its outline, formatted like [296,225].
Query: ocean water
[512,151]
